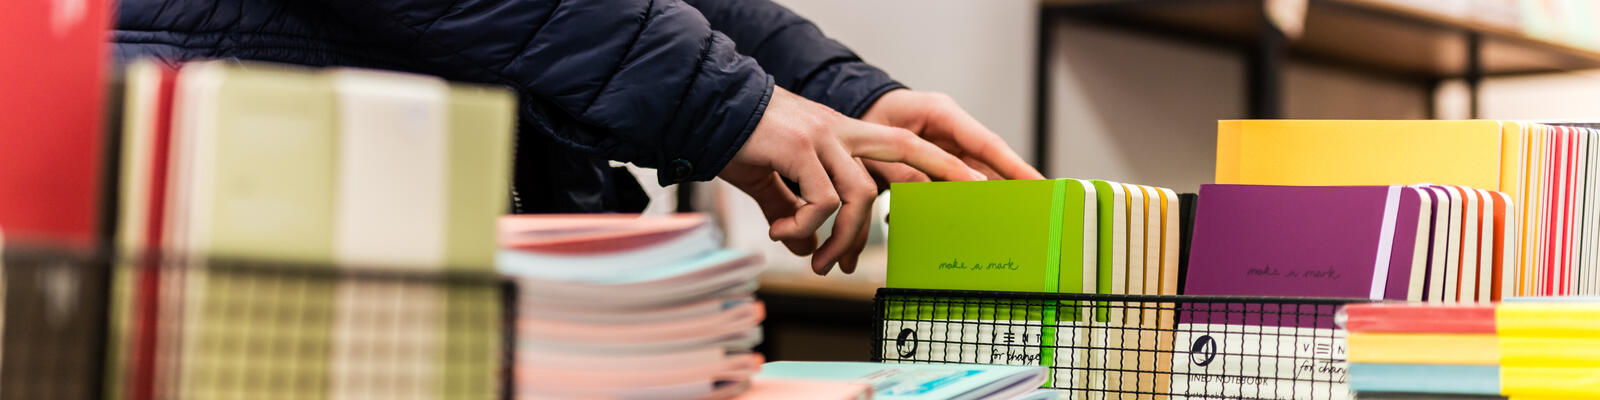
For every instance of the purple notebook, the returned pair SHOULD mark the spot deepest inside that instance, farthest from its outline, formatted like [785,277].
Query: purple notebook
[1303,241]
[1404,246]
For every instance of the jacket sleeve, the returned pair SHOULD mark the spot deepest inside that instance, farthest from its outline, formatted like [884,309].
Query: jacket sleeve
[641,81]
[798,55]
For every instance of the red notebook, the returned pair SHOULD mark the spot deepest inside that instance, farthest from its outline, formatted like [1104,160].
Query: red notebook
[50,120]
[1418,318]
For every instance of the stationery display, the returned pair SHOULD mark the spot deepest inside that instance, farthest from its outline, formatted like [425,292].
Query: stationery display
[624,306]
[1053,236]
[300,232]
[1541,176]
[1416,243]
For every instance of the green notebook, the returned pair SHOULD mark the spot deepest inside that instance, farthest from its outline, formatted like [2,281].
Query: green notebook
[1020,236]
[481,123]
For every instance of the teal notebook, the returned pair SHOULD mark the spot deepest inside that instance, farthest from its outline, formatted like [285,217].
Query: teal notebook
[1420,378]
[918,381]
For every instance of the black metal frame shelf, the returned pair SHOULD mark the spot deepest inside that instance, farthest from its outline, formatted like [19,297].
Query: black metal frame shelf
[1363,36]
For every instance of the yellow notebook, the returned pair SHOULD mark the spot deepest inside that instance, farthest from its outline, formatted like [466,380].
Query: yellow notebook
[1548,319]
[1550,352]
[1369,152]
[1424,349]
[1555,382]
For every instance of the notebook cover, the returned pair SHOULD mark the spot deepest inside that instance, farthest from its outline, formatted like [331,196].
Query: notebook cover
[1402,252]
[1424,348]
[1424,396]
[1419,318]
[1427,217]
[261,185]
[391,160]
[989,235]
[1287,241]
[1452,379]
[481,123]
[801,389]
[390,214]
[272,192]
[51,145]
[1548,317]
[1359,152]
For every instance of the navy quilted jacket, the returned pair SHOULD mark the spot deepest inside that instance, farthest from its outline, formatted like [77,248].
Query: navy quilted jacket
[668,84]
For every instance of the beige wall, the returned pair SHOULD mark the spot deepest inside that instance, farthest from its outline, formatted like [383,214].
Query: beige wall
[1143,109]
[1563,96]
[980,52]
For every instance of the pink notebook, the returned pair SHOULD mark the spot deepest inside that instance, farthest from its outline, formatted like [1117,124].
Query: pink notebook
[578,234]
[799,389]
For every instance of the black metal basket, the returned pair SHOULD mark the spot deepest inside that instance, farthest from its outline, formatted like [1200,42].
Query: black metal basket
[52,323]
[1126,346]
[80,326]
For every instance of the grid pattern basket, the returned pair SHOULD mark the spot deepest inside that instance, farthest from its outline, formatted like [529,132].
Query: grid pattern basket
[87,326]
[1126,346]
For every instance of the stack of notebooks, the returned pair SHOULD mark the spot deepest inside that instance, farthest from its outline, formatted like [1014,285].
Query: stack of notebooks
[307,233]
[1548,171]
[1056,236]
[1434,243]
[622,306]
[1521,349]
[1430,243]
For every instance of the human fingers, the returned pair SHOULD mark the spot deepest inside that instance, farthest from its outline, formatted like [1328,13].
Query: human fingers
[982,167]
[889,172]
[884,143]
[856,192]
[852,255]
[816,190]
[778,203]
[982,143]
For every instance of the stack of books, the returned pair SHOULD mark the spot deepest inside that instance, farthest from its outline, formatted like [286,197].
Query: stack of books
[307,233]
[1549,172]
[622,306]
[1520,349]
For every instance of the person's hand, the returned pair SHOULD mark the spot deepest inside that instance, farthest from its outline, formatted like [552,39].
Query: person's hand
[938,119]
[818,148]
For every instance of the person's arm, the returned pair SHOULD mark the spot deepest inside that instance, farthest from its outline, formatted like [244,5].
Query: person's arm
[797,54]
[646,82]
[649,82]
[807,62]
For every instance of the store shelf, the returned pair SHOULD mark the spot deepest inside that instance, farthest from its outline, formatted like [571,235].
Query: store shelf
[1369,34]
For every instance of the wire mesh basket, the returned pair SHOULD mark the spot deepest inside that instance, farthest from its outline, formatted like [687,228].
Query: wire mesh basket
[52,323]
[1126,346]
[84,326]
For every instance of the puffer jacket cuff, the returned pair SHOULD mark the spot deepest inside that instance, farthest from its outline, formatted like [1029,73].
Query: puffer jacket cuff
[721,130]
[849,87]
